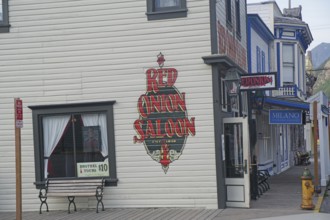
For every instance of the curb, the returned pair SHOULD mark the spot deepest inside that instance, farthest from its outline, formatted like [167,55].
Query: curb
[318,204]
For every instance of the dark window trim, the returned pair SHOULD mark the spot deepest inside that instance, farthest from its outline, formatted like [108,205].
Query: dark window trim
[224,95]
[228,14]
[4,24]
[238,19]
[39,111]
[263,61]
[166,13]
[258,51]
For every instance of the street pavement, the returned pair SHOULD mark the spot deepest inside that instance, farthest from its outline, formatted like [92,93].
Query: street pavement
[281,202]
[325,206]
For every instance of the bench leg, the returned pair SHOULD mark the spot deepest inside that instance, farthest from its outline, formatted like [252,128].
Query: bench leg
[43,198]
[43,201]
[99,200]
[71,201]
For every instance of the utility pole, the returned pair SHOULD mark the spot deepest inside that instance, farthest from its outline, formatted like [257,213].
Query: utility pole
[289,4]
[315,150]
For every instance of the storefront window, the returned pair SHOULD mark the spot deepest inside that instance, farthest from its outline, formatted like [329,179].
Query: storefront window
[74,141]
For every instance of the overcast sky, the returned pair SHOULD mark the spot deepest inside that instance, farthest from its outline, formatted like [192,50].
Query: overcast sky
[316,13]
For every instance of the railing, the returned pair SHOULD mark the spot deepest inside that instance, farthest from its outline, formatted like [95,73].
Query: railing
[289,91]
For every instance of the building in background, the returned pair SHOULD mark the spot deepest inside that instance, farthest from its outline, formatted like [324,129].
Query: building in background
[261,62]
[281,139]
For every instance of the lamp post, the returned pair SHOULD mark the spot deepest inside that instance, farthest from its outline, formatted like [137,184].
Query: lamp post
[232,81]
[258,100]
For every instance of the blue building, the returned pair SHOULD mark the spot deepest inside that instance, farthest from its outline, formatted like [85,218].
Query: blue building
[277,142]
[260,60]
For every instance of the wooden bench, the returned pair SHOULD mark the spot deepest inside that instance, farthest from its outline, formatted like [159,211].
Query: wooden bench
[302,158]
[72,188]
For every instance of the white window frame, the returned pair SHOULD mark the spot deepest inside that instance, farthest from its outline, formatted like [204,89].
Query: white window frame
[288,64]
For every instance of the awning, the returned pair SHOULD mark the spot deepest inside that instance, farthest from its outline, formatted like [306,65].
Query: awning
[287,103]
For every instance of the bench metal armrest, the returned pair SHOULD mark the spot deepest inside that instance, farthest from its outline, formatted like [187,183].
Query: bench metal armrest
[43,193]
[99,189]
[43,190]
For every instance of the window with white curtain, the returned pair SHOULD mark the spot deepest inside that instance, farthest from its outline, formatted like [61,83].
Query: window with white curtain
[74,141]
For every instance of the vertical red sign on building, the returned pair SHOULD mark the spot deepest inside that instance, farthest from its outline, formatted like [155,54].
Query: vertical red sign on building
[19,113]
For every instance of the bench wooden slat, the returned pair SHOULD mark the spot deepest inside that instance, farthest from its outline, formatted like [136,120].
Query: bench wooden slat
[57,182]
[72,187]
[77,194]
[90,191]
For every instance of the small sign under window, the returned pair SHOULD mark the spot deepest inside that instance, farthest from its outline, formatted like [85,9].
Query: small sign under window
[90,169]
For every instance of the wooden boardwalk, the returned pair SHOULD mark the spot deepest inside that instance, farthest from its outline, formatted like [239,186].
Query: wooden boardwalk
[283,199]
[121,214]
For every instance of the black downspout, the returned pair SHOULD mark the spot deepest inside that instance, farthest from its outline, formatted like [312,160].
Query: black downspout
[252,124]
[221,191]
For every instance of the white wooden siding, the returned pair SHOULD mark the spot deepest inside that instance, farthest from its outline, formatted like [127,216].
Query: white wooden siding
[266,12]
[256,40]
[81,51]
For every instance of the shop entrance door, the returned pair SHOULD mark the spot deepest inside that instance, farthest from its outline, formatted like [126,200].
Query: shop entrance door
[237,162]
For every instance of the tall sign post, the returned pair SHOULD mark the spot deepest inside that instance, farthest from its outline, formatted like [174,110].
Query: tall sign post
[329,126]
[18,109]
[315,152]
[329,130]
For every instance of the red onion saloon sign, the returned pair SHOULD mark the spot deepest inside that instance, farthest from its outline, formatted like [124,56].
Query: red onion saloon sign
[163,125]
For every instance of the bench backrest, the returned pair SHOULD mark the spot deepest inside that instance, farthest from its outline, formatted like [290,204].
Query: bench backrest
[83,186]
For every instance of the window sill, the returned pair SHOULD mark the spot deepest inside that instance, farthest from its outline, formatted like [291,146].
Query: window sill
[111,181]
[4,28]
[159,15]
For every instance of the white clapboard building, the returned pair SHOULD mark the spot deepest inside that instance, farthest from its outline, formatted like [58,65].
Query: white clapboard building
[130,91]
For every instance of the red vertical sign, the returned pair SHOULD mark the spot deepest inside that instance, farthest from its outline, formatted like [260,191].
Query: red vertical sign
[19,113]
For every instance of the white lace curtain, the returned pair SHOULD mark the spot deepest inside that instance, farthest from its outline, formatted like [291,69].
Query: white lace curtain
[53,129]
[98,120]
